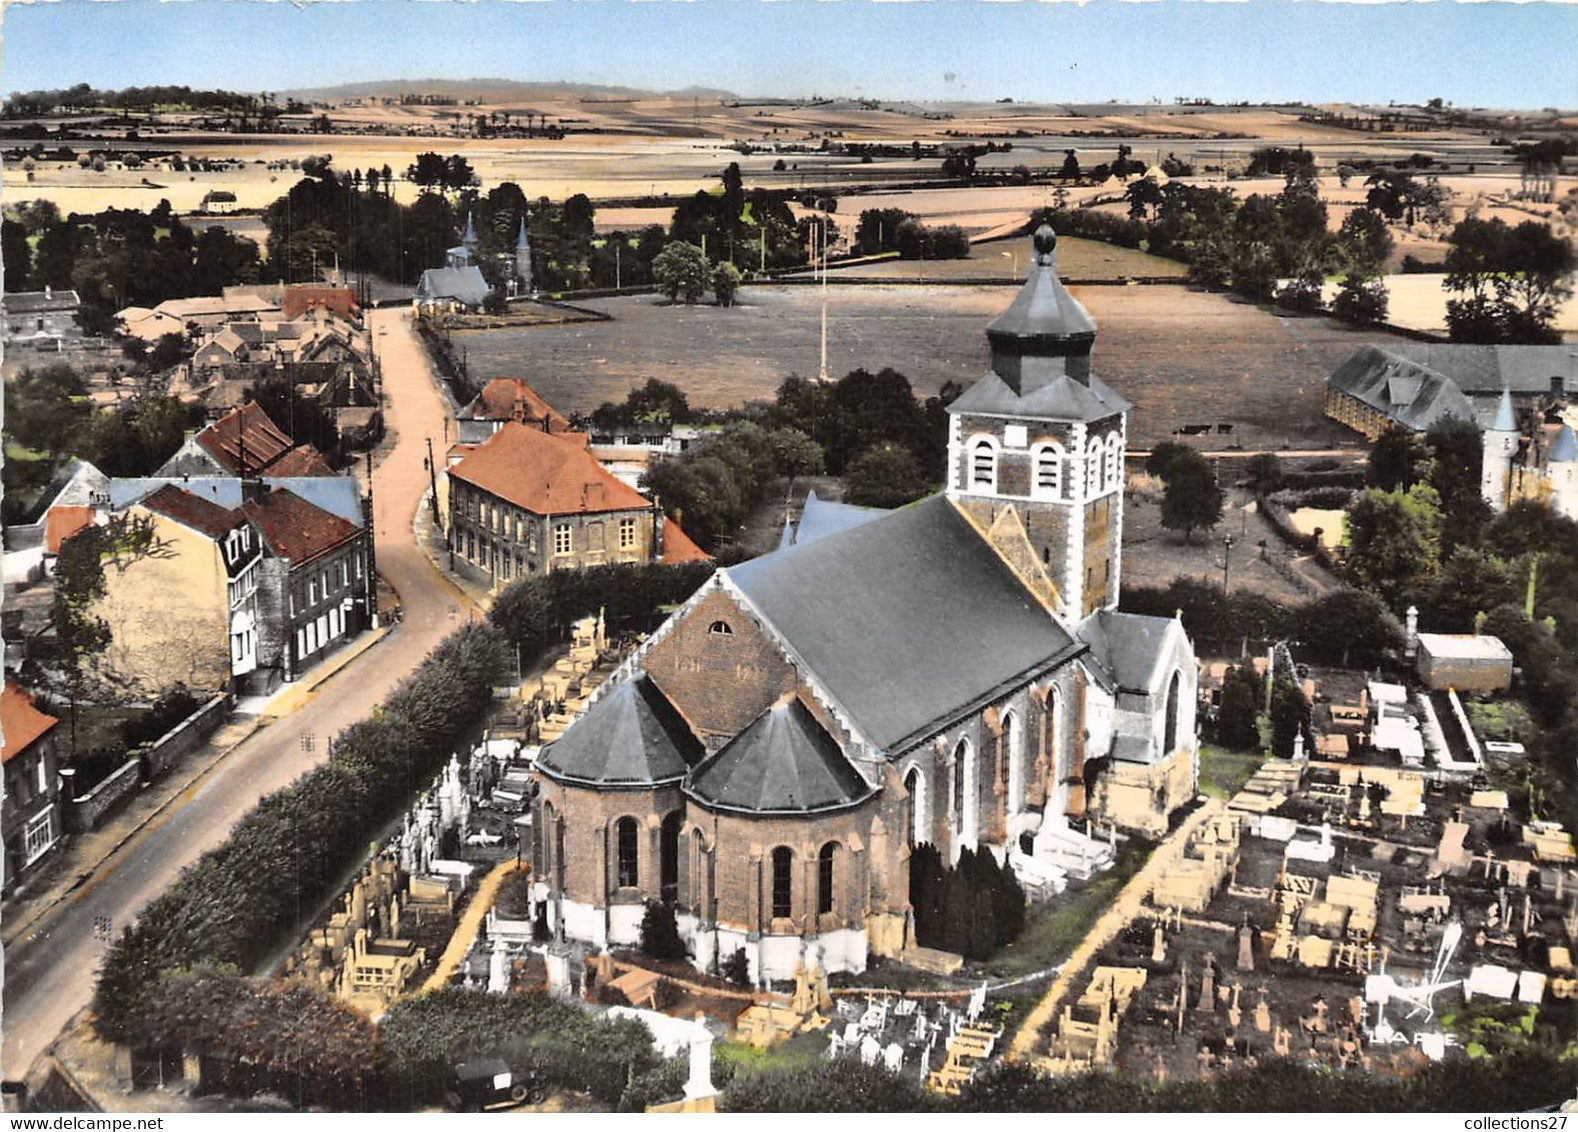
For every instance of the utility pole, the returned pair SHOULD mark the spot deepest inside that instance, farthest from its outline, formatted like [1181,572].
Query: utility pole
[432,479]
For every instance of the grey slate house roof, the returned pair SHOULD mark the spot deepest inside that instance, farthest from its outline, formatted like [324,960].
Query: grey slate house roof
[463,284]
[1481,371]
[38,302]
[821,517]
[917,591]
[1125,647]
[783,763]
[1413,395]
[631,737]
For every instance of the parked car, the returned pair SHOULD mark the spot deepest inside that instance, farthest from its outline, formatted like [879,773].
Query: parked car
[487,1083]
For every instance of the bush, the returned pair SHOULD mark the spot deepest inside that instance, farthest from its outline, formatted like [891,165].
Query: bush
[737,968]
[660,937]
[972,908]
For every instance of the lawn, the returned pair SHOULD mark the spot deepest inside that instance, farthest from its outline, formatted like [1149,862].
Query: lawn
[1054,929]
[1223,772]
[1008,258]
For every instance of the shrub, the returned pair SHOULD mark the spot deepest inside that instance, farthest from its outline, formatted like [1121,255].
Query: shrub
[737,968]
[660,937]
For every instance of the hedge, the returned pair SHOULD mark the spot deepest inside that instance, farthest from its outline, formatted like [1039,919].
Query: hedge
[284,857]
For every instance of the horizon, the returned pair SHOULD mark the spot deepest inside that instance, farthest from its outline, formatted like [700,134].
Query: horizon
[1497,55]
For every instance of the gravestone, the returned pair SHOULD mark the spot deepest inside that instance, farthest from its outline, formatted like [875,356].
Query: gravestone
[1262,1014]
[699,1084]
[1246,948]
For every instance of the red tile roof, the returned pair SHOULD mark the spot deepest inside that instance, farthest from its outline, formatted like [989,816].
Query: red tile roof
[546,475]
[265,442]
[60,523]
[511,399]
[193,511]
[296,529]
[678,548]
[21,723]
[303,461]
[300,298]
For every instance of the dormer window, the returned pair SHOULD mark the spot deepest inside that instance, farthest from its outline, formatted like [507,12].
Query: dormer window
[721,629]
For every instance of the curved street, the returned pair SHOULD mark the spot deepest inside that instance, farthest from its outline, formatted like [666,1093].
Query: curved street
[50,970]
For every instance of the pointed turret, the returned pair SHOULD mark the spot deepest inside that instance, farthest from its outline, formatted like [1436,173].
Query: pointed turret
[520,240]
[1563,472]
[1044,333]
[1506,417]
[1500,446]
[470,238]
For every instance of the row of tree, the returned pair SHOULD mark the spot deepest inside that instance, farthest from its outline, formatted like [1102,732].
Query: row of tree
[121,257]
[894,230]
[970,908]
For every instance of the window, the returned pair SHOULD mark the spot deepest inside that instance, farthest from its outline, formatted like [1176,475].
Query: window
[1095,479]
[471,546]
[627,533]
[626,833]
[312,593]
[531,539]
[960,758]
[983,465]
[43,776]
[345,572]
[358,565]
[668,857]
[824,878]
[37,838]
[1049,471]
[327,585]
[917,815]
[1170,730]
[721,629]
[1114,461]
[783,882]
[563,539]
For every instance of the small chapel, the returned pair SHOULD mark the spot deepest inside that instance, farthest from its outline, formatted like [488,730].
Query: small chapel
[954,672]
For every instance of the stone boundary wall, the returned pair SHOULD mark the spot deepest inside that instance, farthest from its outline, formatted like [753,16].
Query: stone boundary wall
[87,811]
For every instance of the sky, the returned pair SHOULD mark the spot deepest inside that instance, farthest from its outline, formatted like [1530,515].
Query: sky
[1494,54]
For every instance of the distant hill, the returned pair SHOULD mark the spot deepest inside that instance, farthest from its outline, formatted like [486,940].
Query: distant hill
[492,90]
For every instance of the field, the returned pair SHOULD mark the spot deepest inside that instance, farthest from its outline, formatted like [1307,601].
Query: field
[1182,355]
[1008,260]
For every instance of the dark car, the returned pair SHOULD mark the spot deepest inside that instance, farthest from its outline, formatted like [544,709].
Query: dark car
[488,1083]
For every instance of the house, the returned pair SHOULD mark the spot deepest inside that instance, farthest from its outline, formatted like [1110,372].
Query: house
[1518,396]
[316,591]
[507,399]
[1469,662]
[39,317]
[244,442]
[955,672]
[30,811]
[527,501]
[217,202]
[73,499]
[307,298]
[205,312]
[449,290]
[185,609]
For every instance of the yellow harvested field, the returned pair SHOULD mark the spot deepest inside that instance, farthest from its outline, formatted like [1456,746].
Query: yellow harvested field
[1418,302]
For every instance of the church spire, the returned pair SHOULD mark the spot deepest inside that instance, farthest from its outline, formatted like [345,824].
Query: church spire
[1044,333]
[470,238]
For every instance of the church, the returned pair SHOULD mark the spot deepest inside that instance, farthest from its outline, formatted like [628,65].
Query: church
[953,672]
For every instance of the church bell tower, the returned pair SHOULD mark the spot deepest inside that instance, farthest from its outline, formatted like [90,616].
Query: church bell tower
[1042,437]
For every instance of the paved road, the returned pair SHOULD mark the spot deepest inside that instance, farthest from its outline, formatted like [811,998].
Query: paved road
[49,973]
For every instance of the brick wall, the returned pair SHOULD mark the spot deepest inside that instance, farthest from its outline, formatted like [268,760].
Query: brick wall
[719,681]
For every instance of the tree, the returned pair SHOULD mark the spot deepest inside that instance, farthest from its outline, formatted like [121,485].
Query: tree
[681,270]
[428,171]
[660,938]
[725,283]
[1392,540]
[1070,169]
[1346,627]
[1265,473]
[1238,713]
[1290,717]
[1537,280]
[884,475]
[1192,498]
[1366,240]
[1398,459]
[18,256]
[1165,456]
[1362,300]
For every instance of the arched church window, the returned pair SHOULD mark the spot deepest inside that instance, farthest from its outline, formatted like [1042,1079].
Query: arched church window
[1114,461]
[1095,469]
[1170,731]
[721,629]
[783,882]
[626,838]
[961,755]
[824,878]
[917,814]
[1049,471]
[983,464]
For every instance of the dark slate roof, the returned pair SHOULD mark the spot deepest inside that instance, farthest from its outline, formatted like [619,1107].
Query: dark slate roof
[1126,646]
[909,620]
[783,763]
[1481,371]
[1413,395]
[632,736]
[1043,308]
[820,517]
[1063,399]
[464,284]
[35,302]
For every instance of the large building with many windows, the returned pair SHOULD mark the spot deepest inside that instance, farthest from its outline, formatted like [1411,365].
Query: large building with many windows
[527,501]
[955,672]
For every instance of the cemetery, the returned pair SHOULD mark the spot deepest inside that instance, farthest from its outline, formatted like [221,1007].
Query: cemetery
[1354,907]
